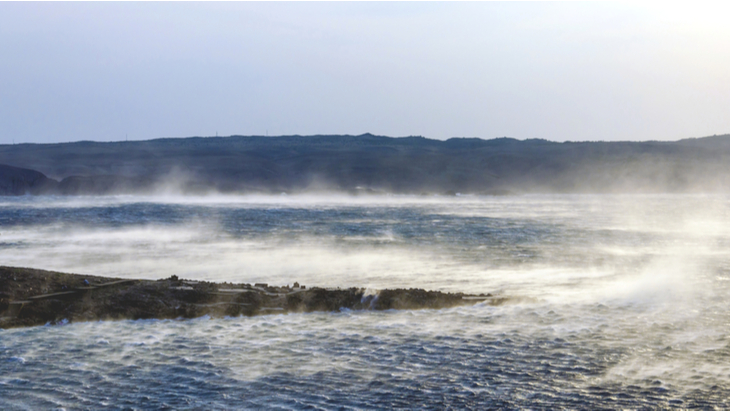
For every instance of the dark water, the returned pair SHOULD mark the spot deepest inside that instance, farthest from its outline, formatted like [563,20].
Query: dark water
[615,302]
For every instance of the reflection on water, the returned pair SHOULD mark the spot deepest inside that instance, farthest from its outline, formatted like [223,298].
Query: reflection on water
[618,301]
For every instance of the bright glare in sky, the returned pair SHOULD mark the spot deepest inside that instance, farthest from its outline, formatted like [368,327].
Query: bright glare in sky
[558,71]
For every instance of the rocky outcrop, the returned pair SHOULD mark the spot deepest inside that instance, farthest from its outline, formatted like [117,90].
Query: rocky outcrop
[30,297]
[15,181]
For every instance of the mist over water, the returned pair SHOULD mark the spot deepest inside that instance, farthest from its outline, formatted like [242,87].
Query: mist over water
[615,301]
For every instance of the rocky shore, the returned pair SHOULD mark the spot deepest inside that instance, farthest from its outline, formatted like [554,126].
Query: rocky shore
[30,297]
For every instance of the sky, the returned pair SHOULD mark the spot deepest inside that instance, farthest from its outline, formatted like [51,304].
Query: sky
[557,71]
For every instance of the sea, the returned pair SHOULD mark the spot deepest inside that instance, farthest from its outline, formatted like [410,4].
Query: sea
[611,302]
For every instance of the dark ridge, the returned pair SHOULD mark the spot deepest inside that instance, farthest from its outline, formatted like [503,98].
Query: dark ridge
[30,297]
[366,164]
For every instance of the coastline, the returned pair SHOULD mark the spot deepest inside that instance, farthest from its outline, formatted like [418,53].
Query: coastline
[31,297]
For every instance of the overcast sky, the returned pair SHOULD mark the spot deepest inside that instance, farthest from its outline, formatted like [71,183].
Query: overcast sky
[565,71]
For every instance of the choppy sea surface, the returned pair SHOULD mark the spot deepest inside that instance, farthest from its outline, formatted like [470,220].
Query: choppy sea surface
[614,302]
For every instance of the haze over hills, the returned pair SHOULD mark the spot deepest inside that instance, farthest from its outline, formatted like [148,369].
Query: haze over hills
[365,163]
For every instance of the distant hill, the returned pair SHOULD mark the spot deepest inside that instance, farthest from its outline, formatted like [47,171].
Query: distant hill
[366,163]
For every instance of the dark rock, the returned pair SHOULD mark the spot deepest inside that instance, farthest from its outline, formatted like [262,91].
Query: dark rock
[402,299]
[253,302]
[4,301]
[16,181]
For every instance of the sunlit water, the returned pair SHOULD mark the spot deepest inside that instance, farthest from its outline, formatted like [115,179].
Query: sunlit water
[616,302]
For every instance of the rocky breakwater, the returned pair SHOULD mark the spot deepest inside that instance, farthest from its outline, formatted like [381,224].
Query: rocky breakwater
[30,297]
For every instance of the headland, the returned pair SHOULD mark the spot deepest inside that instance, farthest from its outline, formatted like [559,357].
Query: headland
[31,297]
